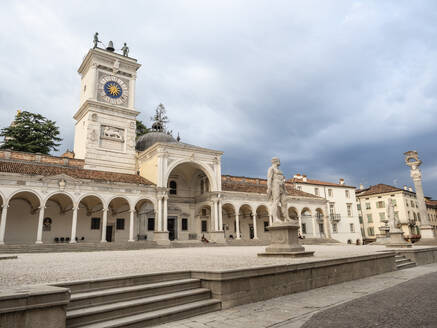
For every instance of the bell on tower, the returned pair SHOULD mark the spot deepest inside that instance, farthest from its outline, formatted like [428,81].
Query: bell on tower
[110,47]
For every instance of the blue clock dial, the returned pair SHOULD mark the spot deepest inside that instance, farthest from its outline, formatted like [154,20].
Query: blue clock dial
[113,89]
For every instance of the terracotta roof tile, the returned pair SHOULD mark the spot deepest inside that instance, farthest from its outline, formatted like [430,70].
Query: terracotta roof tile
[378,189]
[432,203]
[78,173]
[256,185]
[318,182]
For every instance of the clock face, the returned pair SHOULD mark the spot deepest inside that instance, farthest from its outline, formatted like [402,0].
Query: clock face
[113,90]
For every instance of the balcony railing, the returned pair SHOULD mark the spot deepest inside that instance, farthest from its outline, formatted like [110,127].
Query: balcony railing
[335,217]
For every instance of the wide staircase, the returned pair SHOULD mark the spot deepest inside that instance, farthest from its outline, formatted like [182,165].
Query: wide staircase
[403,263]
[77,247]
[137,301]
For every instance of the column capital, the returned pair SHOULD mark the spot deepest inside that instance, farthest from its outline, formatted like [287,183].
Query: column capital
[132,211]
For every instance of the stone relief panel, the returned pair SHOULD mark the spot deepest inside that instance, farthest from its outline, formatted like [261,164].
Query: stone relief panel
[112,133]
[112,138]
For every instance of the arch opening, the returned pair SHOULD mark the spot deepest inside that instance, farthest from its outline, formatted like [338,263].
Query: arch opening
[90,219]
[23,211]
[58,216]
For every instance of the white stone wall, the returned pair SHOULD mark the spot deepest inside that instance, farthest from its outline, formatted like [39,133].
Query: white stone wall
[340,201]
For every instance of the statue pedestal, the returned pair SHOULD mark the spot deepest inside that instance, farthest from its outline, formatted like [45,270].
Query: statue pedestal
[161,238]
[396,239]
[427,232]
[427,236]
[384,236]
[285,241]
[217,237]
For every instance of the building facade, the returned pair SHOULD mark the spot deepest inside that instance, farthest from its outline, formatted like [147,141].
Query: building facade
[341,222]
[372,203]
[117,188]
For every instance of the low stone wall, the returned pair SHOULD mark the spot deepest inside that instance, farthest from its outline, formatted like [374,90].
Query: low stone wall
[236,287]
[44,306]
[34,306]
[421,256]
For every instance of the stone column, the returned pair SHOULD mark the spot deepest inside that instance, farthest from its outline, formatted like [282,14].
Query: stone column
[314,225]
[40,224]
[215,215]
[104,224]
[165,209]
[237,225]
[255,234]
[131,225]
[159,216]
[412,160]
[74,225]
[270,220]
[220,215]
[3,223]
[299,218]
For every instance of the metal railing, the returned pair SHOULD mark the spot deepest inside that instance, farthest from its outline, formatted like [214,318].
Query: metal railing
[335,217]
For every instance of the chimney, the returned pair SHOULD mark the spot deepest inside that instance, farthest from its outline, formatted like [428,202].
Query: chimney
[410,189]
[405,187]
[304,178]
[297,176]
[361,186]
[341,181]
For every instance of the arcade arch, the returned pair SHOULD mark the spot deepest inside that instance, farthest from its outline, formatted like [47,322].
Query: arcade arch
[261,222]
[92,219]
[57,219]
[229,221]
[244,225]
[146,223]
[118,219]
[21,210]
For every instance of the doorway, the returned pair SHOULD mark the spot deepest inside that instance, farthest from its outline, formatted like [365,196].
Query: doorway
[109,229]
[251,232]
[172,227]
[322,230]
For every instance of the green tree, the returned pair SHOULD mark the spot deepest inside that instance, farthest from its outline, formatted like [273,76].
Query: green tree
[141,129]
[32,133]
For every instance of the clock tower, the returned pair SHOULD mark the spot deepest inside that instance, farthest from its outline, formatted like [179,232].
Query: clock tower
[105,128]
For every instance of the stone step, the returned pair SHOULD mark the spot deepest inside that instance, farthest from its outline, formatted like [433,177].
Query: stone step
[160,316]
[105,296]
[94,314]
[82,286]
[402,260]
[406,265]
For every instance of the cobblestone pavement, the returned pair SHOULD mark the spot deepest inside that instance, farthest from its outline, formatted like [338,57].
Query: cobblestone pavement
[294,310]
[410,304]
[54,267]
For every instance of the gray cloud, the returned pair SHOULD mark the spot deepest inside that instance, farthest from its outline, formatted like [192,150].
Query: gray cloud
[335,89]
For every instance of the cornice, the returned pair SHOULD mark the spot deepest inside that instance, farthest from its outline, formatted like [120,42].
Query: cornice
[106,55]
[99,105]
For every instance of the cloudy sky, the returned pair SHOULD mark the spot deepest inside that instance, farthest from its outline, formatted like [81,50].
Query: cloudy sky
[334,88]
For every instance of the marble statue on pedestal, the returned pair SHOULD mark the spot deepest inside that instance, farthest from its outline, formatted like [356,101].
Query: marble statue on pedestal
[283,231]
[276,192]
[395,234]
[393,221]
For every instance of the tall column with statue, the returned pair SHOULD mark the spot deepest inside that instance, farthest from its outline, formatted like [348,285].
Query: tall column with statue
[283,231]
[412,160]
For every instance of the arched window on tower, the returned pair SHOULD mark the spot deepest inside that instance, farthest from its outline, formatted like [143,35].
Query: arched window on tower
[173,187]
